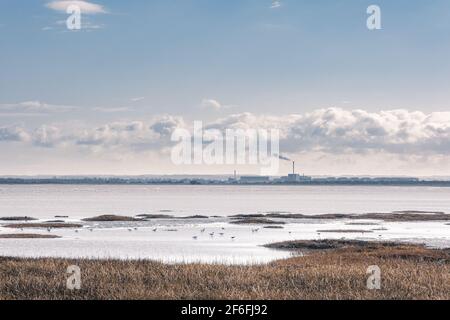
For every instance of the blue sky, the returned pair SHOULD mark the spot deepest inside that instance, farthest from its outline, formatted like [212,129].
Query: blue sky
[146,58]
[303,55]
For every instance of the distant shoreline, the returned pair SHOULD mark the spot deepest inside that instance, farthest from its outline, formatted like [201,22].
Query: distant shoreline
[186,182]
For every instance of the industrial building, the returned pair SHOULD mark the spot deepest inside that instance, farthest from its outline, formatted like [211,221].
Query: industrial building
[290,178]
[295,177]
[254,179]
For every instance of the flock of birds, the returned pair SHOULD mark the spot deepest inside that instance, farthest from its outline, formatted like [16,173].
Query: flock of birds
[156,229]
[212,234]
[195,237]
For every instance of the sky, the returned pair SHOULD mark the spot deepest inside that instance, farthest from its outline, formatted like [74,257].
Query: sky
[105,99]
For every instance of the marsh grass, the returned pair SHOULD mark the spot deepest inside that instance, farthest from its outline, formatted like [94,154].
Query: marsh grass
[408,272]
[398,216]
[344,231]
[17,218]
[44,225]
[28,236]
[111,218]
[256,221]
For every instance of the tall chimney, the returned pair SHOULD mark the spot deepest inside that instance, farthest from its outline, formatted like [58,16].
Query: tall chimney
[293,167]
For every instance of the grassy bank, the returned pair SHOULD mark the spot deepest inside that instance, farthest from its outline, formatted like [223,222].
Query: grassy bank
[28,236]
[338,272]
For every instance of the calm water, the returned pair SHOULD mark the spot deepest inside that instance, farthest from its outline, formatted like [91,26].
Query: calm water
[208,240]
[84,201]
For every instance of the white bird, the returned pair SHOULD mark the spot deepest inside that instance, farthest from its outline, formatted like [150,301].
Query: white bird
[130,230]
[222,234]
[232,238]
[154,230]
[212,234]
[203,230]
[195,237]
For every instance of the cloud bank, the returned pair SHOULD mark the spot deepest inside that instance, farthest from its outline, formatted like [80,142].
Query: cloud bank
[329,131]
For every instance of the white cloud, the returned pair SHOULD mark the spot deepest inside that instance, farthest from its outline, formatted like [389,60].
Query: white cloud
[86,7]
[112,110]
[13,134]
[47,136]
[128,136]
[211,104]
[275,4]
[214,104]
[137,99]
[166,125]
[32,108]
[87,25]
